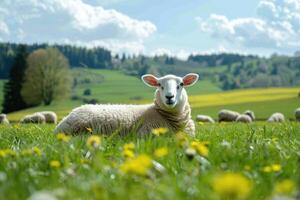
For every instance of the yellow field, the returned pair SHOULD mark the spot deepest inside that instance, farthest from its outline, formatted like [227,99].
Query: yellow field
[243,96]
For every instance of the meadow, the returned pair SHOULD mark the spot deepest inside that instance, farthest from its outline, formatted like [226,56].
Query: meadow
[206,97]
[224,161]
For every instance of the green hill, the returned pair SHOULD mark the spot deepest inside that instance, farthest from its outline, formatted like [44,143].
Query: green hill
[206,98]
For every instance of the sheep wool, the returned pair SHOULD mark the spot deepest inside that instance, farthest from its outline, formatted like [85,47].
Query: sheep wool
[50,117]
[297,114]
[204,118]
[108,119]
[3,119]
[36,118]
[228,115]
[244,118]
[276,117]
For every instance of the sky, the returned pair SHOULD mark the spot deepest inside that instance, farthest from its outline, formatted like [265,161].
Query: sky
[173,27]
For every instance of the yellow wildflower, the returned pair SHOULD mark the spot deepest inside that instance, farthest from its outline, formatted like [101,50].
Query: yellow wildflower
[181,139]
[90,130]
[285,187]
[272,168]
[55,164]
[160,131]
[139,165]
[231,186]
[93,141]
[161,152]
[84,161]
[200,147]
[36,151]
[63,137]
[7,152]
[200,123]
[129,146]
[128,153]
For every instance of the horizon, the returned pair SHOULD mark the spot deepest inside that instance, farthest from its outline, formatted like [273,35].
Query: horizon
[259,27]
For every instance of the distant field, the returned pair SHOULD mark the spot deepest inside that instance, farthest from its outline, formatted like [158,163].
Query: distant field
[205,97]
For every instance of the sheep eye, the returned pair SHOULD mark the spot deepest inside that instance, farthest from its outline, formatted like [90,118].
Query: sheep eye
[159,85]
[181,84]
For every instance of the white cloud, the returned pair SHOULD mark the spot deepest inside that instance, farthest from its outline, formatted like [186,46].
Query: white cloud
[277,25]
[71,21]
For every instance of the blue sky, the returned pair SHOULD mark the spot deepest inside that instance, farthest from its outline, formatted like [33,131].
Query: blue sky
[174,27]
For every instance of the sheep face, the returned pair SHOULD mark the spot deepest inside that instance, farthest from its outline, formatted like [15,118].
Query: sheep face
[170,89]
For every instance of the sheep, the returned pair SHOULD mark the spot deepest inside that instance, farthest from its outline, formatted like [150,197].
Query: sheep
[50,117]
[37,118]
[247,117]
[170,110]
[204,118]
[3,119]
[228,115]
[297,114]
[276,117]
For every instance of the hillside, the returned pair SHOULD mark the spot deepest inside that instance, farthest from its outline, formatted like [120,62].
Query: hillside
[108,86]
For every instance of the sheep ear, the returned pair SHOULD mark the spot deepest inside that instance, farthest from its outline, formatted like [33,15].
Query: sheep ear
[190,79]
[150,80]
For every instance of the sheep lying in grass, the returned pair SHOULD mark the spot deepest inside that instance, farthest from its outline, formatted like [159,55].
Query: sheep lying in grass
[36,118]
[50,117]
[204,118]
[3,119]
[276,117]
[170,109]
[228,115]
[297,114]
[247,117]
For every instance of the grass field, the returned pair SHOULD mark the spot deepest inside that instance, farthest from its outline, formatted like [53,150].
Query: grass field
[205,97]
[235,161]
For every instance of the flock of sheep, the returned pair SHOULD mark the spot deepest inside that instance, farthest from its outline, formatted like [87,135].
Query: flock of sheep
[38,117]
[246,117]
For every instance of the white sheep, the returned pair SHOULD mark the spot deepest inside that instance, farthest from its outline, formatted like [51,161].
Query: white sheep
[247,117]
[276,117]
[170,110]
[3,119]
[297,114]
[50,117]
[228,115]
[204,118]
[37,118]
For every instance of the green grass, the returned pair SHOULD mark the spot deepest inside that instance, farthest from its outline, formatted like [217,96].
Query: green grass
[231,148]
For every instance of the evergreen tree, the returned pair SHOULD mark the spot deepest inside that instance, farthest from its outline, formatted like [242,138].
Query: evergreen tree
[13,100]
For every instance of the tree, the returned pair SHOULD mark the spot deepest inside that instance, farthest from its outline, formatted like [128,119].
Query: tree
[47,77]
[13,100]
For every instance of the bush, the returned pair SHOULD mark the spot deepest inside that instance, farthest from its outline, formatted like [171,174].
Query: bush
[87,92]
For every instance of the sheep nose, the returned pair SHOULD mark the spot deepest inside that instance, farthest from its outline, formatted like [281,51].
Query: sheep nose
[169,97]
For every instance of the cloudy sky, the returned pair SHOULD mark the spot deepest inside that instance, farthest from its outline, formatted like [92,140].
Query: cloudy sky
[176,27]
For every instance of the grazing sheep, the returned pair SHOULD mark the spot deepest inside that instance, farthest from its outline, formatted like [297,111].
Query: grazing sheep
[3,119]
[50,117]
[36,118]
[170,110]
[228,115]
[247,117]
[276,117]
[297,114]
[204,118]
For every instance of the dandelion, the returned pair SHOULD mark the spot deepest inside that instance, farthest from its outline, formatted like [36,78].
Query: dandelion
[90,130]
[181,139]
[37,151]
[160,131]
[93,141]
[139,165]
[63,137]
[272,168]
[128,153]
[200,147]
[55,164]
[129,146]
[231,186]
[7,152]
[161,152]
[285,187]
